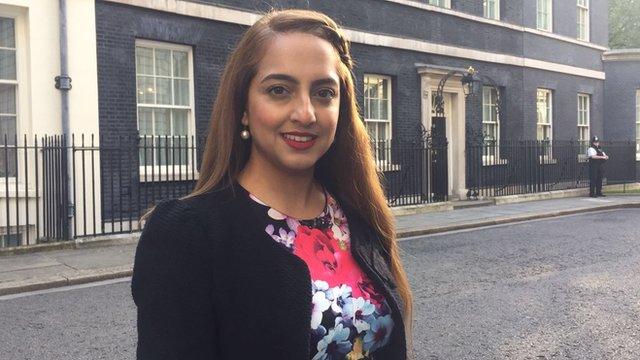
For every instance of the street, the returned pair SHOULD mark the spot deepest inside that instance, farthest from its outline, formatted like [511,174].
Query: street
[560,288]
[564,288]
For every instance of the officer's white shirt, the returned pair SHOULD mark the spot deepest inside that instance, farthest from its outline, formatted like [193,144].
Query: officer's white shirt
[592,152]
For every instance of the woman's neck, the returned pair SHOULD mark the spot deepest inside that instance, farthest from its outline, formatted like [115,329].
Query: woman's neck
[294,194]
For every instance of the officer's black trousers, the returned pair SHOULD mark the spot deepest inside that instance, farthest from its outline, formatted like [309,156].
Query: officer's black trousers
[595,178]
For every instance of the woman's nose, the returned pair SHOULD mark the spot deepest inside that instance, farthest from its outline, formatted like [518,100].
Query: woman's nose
[304,111]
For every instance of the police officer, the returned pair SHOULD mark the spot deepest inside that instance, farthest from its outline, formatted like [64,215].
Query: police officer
[597,157]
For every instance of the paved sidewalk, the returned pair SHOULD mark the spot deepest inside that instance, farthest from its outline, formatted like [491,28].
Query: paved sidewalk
[45,269]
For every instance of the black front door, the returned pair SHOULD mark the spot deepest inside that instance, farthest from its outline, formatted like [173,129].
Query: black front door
[439,166]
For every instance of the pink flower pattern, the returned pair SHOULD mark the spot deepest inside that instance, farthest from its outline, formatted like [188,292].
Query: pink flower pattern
[343,296]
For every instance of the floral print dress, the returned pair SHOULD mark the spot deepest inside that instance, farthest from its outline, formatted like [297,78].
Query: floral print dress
[350,319]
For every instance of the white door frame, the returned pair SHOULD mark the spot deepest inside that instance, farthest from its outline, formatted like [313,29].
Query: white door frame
[455,124]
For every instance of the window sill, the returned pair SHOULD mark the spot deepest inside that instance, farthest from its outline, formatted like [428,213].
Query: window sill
[163,177]
[547,161]
[31,192]
[583,158]
[387,167]
[10,182]
[491,162]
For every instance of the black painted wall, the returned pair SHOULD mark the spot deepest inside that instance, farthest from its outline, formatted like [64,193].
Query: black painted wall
[387,17]
[620,101]
[621,85]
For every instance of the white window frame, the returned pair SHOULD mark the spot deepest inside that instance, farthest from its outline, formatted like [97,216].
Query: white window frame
[548,12]
[496,9]
[385,164]
[440,3]
[638,125]
[17,29]
[584,124]
[158,172]
[494,158]
[583,8]
[547,157]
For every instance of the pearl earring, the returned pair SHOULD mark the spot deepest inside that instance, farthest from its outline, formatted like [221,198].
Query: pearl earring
[245,134]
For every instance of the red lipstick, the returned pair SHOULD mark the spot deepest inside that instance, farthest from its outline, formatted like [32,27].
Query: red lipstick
[299,140]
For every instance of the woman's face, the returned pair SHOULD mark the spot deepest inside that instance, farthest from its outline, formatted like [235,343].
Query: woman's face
[293,102]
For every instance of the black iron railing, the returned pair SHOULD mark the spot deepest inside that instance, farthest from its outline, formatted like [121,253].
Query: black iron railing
[53,188]
[409,170]
[522,167]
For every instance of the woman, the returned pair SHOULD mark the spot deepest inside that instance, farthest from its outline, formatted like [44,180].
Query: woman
[285,249]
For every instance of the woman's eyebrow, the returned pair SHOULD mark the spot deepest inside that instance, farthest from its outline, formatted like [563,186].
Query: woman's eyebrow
[291,79]
[325,81]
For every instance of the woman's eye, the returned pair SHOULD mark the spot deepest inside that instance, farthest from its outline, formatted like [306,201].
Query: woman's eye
[277,90]
[327,93]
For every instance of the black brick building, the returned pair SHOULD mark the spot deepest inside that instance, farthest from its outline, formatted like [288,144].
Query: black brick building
[547,77]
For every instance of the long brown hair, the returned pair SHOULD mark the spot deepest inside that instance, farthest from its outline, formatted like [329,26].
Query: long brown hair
[347,169]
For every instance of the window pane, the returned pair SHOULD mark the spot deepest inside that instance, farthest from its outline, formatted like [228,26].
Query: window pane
[367,107]
[384,89]
[543,14]
[382,137]
[181,88]
[373,89]
[144,61]
[8,128]
[180,64]
[490,9]
[539,133]
[7,33]
[7,99]
[180,122]
[180,153]
[164,91]
[145,128]
[145,121]
[384,109]
[163,62]
[374,112]
[543,107]
[382,131]
[162,121]
[486,113]
[146,151]
[162,150]
[145,90]
[7,64]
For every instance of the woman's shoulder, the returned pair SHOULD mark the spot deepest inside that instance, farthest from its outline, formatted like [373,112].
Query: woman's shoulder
[202,210]
[176,252]
[181,230]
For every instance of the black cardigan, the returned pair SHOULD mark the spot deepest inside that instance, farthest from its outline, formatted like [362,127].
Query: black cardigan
[209,283]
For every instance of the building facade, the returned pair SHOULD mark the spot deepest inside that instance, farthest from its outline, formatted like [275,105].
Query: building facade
[31,106]
[545,57]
